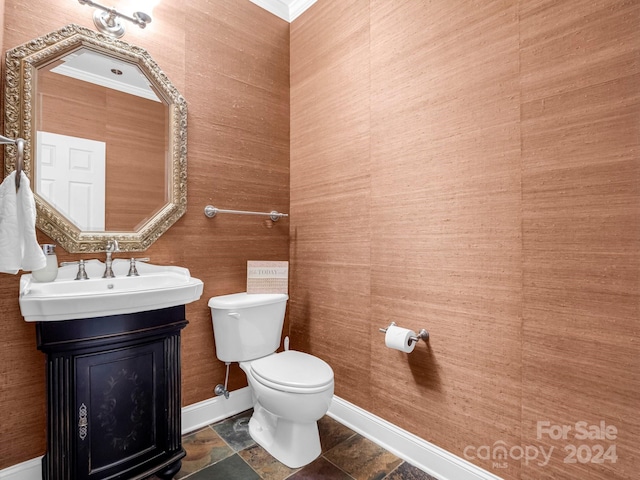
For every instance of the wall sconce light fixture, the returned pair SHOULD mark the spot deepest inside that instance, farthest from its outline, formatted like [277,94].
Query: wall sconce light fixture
[107,19]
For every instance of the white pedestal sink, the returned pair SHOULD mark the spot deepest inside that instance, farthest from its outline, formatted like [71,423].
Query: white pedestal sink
[67,299]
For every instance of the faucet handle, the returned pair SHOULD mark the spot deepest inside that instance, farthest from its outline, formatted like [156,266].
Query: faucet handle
[82,273]
[112,246]
[133,271]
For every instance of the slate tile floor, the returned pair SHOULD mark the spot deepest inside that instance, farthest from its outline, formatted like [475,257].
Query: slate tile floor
[225,451]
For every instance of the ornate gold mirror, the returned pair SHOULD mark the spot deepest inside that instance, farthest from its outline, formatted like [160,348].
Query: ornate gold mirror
[105,139]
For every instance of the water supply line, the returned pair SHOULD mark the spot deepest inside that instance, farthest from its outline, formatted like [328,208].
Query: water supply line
[222,389]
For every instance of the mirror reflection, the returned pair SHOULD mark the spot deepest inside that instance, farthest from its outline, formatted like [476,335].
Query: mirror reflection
[100,126]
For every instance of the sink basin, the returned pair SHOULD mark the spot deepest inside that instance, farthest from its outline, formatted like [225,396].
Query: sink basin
[67,299]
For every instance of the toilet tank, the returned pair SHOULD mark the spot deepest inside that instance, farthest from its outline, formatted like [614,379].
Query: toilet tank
[247,326]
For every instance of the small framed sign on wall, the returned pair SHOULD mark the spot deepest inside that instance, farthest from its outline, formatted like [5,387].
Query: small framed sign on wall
[267,277]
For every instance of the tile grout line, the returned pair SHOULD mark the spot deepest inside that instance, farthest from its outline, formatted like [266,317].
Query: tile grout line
[391,472]
[237,452]
[233,451]
[248,464]
[346,473]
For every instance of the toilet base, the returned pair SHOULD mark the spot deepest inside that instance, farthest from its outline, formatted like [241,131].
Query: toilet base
[291,443]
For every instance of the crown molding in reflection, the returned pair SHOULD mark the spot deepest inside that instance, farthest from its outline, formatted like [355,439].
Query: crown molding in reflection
[288,10]
[92,67]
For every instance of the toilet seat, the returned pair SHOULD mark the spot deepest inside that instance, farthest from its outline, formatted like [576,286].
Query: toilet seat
[292,371]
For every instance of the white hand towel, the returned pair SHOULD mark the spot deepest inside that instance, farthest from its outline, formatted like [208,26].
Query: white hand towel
[33,258]
[10,250]
[17,224]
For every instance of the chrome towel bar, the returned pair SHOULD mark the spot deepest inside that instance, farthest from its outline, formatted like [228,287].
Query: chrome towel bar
[211,211]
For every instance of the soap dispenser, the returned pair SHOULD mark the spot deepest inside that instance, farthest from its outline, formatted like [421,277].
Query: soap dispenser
[50,271]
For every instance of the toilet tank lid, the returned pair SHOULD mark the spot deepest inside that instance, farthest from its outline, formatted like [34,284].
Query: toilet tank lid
[244,299]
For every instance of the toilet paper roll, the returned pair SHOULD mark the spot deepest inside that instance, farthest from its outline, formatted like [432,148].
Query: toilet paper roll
[399,339]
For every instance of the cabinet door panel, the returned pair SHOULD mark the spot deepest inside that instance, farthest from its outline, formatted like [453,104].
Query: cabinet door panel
[120,405]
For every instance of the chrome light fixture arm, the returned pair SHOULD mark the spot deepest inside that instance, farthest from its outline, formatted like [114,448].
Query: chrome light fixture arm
[106,19]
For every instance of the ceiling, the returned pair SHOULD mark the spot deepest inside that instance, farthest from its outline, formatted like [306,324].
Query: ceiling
[288,10]
[106,71]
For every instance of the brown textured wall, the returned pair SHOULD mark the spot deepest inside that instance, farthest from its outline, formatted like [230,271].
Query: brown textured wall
[580,77]
[230,60]
[472,168]
[468,167]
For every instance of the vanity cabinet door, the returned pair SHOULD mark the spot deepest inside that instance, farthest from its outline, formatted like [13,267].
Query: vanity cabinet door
[121,409]
[113,396]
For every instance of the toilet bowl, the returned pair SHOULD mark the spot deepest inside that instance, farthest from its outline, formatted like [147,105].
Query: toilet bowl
[291,390]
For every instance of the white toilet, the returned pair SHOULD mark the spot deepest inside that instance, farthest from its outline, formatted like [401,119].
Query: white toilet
[292,390]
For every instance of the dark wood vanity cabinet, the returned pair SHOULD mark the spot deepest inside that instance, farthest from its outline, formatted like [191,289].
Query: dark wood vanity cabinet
[113,396]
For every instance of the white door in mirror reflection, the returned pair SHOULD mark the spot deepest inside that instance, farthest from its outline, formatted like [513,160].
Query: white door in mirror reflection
[71,177]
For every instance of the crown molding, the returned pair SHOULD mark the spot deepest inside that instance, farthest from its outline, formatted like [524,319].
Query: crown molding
[287,10]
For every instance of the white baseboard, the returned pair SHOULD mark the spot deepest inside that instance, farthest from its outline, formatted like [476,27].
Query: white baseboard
[418,452]
[424,455]
[215,409]
[29,470]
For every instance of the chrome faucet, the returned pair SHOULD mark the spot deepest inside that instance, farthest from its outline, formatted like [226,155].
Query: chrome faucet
[82,273]
[112,246]
[133,270]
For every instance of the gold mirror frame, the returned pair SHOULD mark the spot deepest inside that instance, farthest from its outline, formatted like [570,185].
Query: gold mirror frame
[21,65]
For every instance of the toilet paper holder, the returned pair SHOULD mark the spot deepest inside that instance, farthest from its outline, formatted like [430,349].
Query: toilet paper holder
[421,335]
